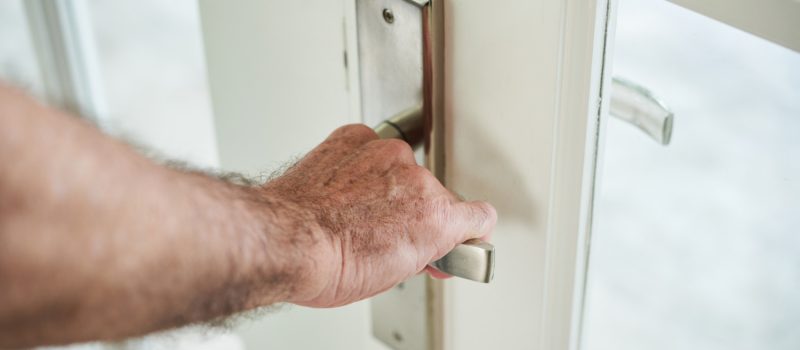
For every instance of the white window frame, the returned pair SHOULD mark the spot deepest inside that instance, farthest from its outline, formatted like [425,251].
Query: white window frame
[775,20]
[62,36]
[563,171]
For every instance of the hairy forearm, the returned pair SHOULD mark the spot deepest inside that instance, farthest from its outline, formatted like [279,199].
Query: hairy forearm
[97,242]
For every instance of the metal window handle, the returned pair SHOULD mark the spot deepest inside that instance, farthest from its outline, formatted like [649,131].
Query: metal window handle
[633,103]
[473,259]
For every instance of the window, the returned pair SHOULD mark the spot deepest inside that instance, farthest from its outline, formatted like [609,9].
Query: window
[151,60]
[696,244]
[17,56]
[153,84]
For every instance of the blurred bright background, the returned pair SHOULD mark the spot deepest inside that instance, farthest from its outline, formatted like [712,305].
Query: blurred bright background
[695,244]
[150,61]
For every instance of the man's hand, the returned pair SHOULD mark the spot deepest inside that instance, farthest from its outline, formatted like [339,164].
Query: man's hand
[378,217]
[99,243]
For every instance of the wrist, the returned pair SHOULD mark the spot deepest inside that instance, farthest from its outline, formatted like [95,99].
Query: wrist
[291,245]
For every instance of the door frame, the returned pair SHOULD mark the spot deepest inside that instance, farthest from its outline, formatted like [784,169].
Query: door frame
[579,36]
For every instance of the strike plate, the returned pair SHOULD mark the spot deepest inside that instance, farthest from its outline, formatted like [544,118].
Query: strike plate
[389,56]
[399,317]
[390,53]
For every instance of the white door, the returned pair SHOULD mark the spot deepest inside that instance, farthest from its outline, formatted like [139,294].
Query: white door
[523,90]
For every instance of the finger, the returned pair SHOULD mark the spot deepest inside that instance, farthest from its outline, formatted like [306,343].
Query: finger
[391,151]
[352,136]
[474,219]
[420,180]
[433,272]
[341,143]
[455,197]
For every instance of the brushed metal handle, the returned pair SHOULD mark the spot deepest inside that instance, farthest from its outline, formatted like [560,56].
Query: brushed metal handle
[406,126]
[473,259]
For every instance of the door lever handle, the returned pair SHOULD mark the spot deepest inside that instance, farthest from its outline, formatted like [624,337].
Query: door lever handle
[473,259]
[406,126]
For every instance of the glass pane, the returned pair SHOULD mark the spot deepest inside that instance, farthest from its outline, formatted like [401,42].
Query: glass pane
[18,64]
[696,244]
[152,63]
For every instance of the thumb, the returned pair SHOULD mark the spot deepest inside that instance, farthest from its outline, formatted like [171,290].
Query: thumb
[474,219]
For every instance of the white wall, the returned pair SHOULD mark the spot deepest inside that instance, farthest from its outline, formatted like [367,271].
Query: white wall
[278,80]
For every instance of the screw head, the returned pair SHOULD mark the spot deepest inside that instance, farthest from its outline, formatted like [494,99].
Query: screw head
[388,16]
[397,336]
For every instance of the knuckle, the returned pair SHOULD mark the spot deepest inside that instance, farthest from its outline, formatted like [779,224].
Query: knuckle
[395,147]
[424,179]
[419,173]
[491,216]
[490,213]
[485,215]
[359,131]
